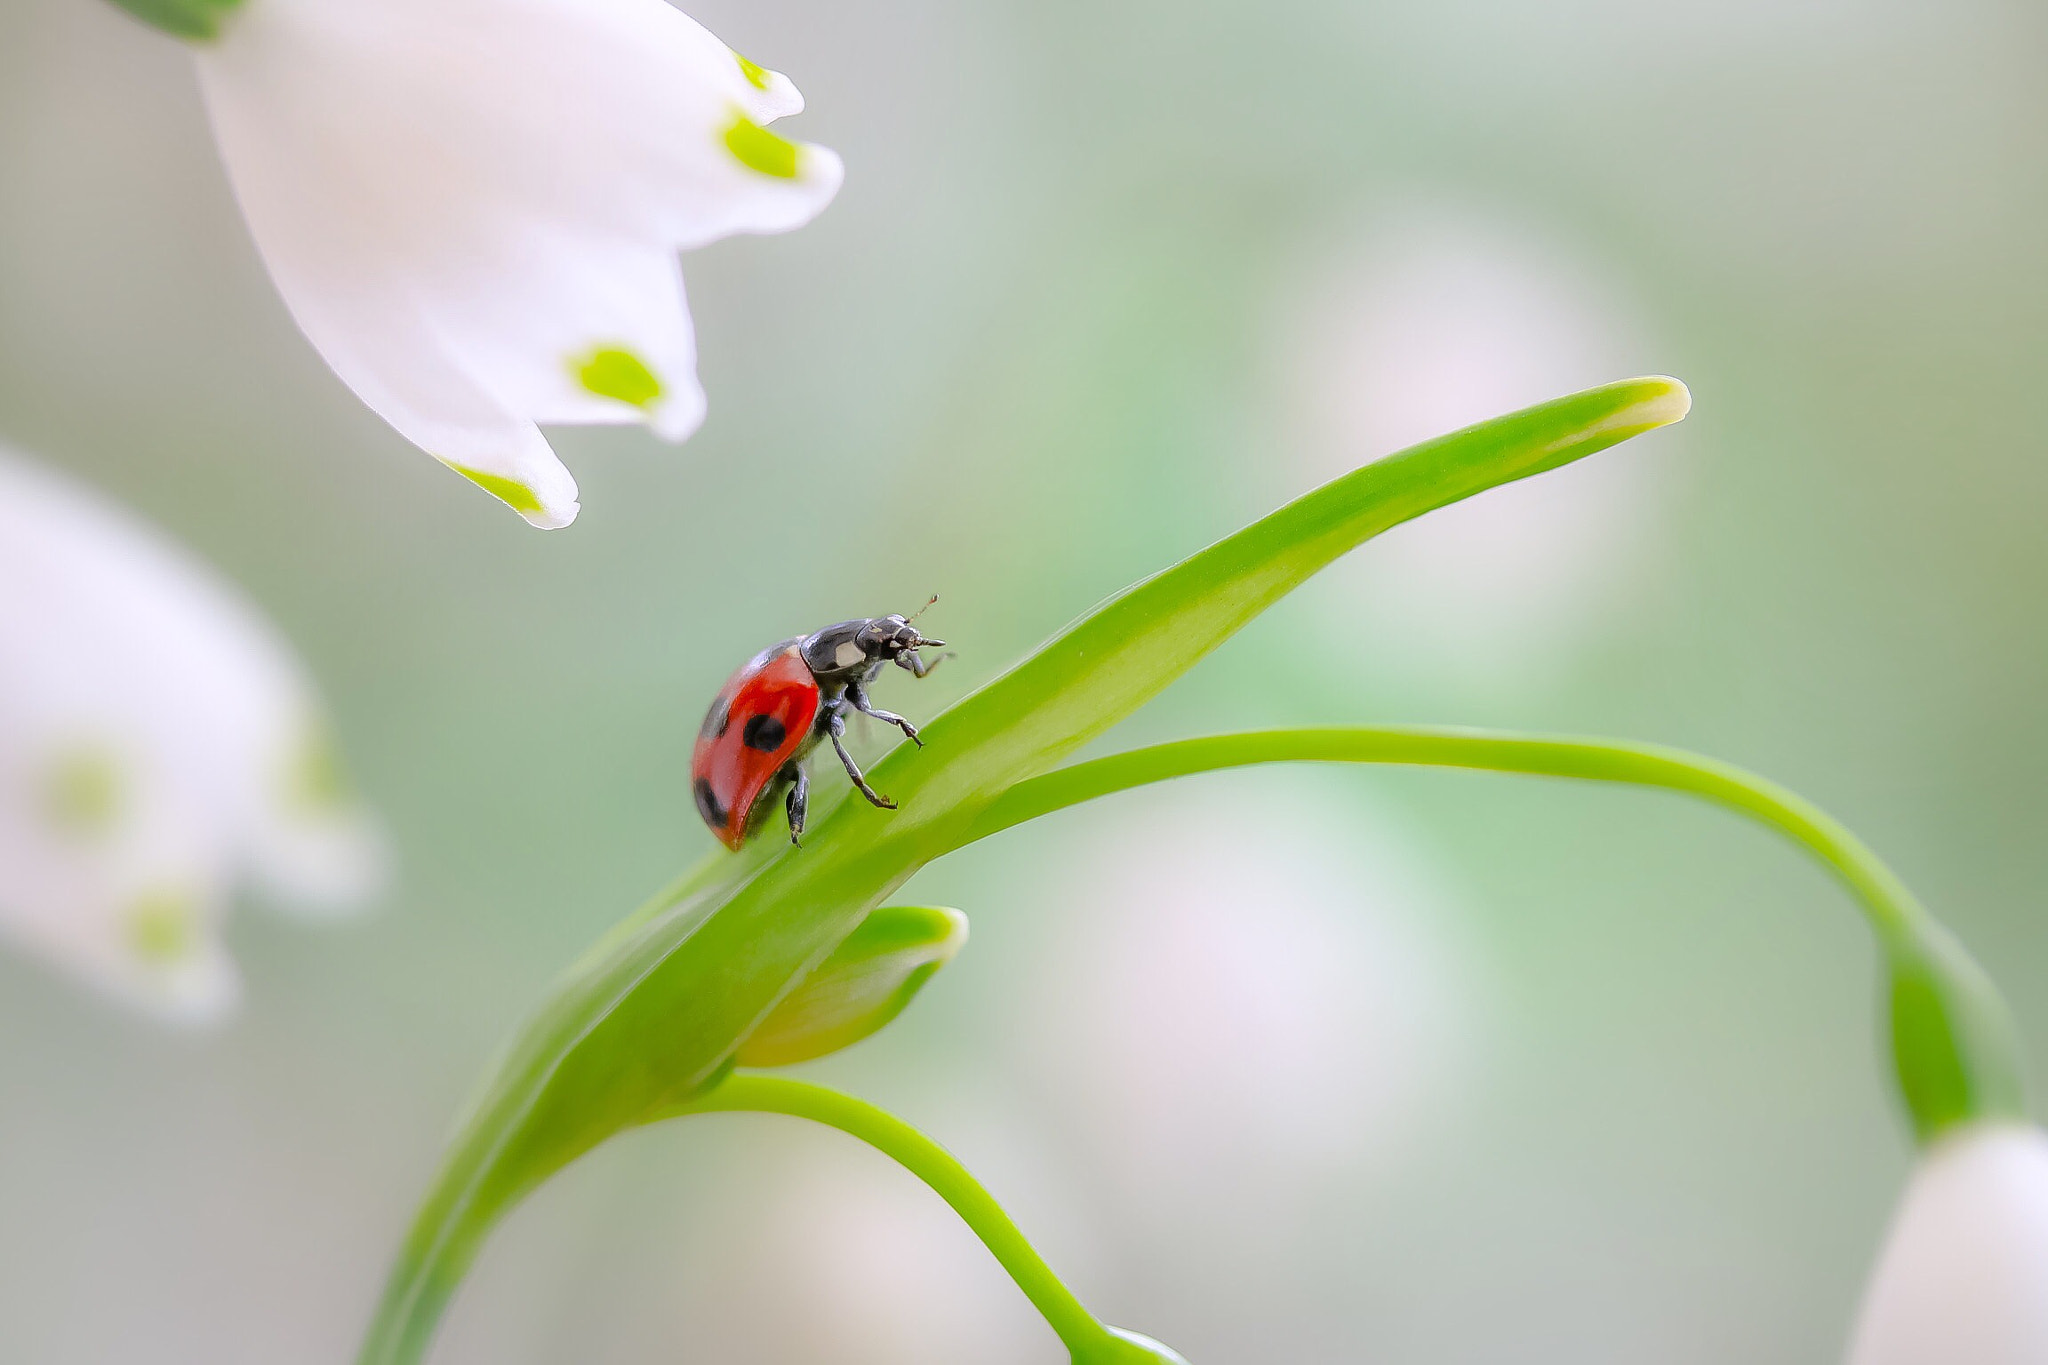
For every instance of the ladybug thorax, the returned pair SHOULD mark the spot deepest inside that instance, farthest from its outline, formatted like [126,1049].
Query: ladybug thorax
[848,651]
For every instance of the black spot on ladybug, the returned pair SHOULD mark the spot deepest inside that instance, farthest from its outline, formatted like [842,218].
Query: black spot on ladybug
[765,733]
[716,719]
[707,804]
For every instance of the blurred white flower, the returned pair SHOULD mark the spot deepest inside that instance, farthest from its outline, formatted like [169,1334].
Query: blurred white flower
[1963,1278]
[158,743]
[887,1272]
[1426,323]
[1254,988]
[473,207]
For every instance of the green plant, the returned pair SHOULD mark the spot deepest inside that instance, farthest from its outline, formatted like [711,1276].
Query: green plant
[650,1023]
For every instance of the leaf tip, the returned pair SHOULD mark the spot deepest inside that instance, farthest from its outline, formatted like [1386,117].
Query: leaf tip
[1621,410]
[1665,400]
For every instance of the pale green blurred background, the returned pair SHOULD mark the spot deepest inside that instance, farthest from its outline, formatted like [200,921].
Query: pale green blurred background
[1304,1066]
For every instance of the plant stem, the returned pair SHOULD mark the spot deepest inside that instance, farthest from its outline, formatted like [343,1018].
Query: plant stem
[1891,907]
[1085,1337]
[1953,1042]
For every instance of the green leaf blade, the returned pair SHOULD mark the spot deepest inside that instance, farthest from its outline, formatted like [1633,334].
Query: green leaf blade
[659,1009]
[1124,652]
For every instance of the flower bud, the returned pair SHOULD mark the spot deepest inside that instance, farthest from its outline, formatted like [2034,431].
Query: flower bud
[1963,1278]
[864,984]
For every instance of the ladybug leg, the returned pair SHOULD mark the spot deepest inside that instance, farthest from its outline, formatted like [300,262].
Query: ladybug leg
[835,726]
[859,698]
[917,664]
[798,802]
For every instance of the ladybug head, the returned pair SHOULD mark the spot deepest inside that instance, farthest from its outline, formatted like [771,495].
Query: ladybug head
[891,637]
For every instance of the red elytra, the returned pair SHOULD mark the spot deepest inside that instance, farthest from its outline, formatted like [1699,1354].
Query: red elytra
[761,720]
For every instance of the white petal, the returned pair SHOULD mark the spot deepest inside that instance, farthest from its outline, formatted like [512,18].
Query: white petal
[154,735]
[1963,1278]
[467,204]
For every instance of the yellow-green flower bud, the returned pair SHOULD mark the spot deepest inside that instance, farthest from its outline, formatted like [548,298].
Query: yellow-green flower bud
[864,984]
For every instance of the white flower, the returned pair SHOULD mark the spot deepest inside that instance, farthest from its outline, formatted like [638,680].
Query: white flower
[472,207]
[1259,977]
[1963,1278]
[888,1273]
[157,744]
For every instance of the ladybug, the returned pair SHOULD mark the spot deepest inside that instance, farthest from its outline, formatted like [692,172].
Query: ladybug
[771,713]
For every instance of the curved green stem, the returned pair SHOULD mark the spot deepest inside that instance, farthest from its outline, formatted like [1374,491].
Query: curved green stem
[1084,1335]
[1892,908]
[1952,1037]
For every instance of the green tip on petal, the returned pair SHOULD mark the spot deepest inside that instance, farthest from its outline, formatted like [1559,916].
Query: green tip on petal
[314,779]
[756,74]
[160,928]
[614,372]
[760,150]
[197,21]
[866,982]
[511,492]
[82,792]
